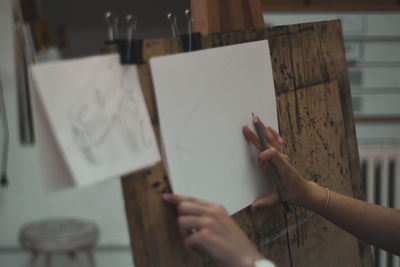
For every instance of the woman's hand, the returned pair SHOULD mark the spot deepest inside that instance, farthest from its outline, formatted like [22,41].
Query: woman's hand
[294,185]
[207,226]
[377,225]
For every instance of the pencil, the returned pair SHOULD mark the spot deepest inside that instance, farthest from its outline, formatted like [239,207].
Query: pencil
[275,177]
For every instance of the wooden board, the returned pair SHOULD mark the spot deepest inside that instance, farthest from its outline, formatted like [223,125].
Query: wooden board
[211,16]
[316,120]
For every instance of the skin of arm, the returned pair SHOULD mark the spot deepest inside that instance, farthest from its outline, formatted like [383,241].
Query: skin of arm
[216,233]
[207,227]
[376,225]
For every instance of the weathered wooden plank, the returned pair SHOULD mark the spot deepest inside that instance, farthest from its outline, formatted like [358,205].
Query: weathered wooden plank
[318,155]
[226,15]
[336,65]
[315,118]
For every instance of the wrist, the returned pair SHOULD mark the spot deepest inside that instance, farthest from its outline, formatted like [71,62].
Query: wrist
[314,197]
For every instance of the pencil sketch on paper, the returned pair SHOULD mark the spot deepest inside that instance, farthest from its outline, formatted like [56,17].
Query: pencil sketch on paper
[109,111]
[213,93]
[211,90]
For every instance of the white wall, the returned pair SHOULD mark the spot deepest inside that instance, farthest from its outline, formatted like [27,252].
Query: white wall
[27,198]
[35,178]
[34,193]
[377,90]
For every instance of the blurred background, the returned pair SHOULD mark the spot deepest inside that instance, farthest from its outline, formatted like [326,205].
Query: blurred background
[60,29]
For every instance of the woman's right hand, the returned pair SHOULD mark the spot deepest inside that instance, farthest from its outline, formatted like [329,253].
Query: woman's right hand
[376,225]
[295,187]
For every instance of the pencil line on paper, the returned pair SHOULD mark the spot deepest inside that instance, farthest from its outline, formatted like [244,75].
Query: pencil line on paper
[210,88]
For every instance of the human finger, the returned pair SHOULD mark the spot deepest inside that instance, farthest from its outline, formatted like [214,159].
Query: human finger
[273,132]
[191,208]
[272,137]
[273,155]
[268,135]
[251,137]
[190,224]
[277,138]
[195,242]
[176,199]
[264,202]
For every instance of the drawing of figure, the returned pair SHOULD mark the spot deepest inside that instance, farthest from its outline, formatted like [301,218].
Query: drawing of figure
[108,117]
[132,115]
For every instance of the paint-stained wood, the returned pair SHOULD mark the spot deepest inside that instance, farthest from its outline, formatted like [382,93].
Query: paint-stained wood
[316,120]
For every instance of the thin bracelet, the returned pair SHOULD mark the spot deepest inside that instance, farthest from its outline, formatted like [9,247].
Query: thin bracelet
[327,200]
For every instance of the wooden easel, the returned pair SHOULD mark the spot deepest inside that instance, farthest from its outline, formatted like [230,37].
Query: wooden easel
[211,16]
[315,119]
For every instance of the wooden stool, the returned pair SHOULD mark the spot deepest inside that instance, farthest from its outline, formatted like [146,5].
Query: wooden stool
[52,236]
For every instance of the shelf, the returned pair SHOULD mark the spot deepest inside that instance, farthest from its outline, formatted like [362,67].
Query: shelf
[377,119]
[329,5]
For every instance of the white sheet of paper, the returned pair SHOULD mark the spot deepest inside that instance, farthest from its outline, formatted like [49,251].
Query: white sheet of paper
[97,111]
[203,99]
[53,168]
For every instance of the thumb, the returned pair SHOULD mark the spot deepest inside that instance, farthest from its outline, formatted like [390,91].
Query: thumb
[264,202]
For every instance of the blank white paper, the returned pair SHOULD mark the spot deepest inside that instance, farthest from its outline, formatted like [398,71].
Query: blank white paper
[98,115]
[203,99]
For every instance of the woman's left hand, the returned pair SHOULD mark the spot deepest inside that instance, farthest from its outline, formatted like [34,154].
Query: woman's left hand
[207,226]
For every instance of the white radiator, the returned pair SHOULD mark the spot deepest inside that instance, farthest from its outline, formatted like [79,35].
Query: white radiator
[380,169]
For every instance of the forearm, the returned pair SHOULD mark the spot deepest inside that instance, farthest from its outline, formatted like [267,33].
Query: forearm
[376,225]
